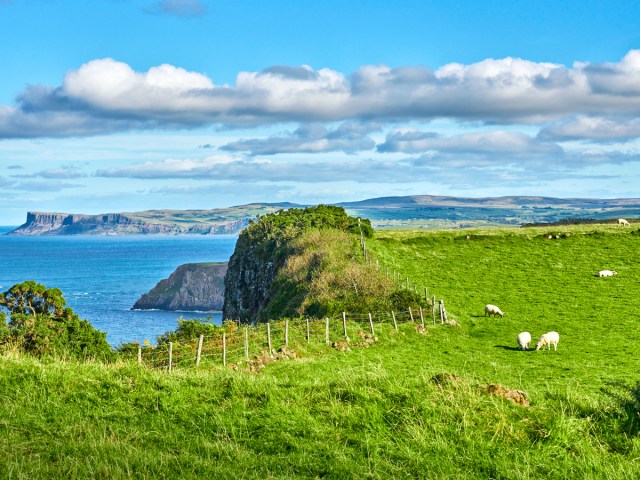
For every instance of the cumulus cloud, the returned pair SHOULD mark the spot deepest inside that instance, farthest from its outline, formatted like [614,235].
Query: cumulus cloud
[621,78]
[105,95]
[593,129]
[179,8]
[349,137]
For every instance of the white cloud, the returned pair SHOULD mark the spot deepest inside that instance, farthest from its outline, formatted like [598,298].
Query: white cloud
[171,168]
[105,95]
[621,78]
[61,173]
[594,129]
[110,86]
[349,137]
[514,144]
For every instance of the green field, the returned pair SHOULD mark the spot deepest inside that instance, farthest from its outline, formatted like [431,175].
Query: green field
[376,412]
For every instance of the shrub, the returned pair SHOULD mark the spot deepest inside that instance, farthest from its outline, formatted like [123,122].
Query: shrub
[191,329]
[40,324]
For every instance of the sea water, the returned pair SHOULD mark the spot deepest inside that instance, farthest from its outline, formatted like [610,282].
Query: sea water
[101,277]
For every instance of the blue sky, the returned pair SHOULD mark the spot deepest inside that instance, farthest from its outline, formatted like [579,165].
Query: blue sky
[127,105]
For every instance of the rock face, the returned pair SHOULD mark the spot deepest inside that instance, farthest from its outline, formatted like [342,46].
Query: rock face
[46,223]
[247,283]
[191,287]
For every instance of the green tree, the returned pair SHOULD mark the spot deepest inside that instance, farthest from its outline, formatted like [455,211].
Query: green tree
[33,298]
[40,324]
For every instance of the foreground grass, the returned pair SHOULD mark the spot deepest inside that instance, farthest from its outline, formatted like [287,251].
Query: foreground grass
[374,412]
[368,413]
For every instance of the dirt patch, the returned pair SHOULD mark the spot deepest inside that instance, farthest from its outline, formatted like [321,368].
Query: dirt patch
[516,396]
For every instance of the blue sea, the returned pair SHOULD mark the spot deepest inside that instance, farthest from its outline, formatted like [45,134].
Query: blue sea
[101,277]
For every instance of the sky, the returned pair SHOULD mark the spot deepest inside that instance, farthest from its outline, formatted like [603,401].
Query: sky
[129,105]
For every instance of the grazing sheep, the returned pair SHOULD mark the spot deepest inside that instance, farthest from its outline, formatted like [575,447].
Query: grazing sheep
[623,222]
[607,273]
[524,339]
[492,310]
[550,338]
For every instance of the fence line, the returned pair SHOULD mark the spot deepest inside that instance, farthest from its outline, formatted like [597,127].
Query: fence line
[235,346]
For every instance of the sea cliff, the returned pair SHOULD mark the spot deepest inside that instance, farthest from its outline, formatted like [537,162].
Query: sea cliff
[218,221]
[191,287]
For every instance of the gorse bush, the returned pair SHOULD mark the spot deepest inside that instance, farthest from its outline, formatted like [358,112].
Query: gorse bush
[40,324]
[190,329]
[271,234]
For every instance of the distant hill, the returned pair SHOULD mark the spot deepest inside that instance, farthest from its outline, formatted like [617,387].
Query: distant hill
[170,222]
[408,212]
[431,212]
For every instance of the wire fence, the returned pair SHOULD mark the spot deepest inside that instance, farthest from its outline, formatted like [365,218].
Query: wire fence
[256,345]
[253,346]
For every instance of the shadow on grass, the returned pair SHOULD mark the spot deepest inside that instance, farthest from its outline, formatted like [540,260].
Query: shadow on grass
[514,349]
[627,397]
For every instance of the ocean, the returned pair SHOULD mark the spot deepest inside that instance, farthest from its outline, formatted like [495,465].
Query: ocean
[101,277]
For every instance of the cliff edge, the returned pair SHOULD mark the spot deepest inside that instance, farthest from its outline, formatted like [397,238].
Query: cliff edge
[191,287]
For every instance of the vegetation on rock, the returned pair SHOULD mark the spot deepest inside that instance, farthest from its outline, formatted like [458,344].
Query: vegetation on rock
[305,262]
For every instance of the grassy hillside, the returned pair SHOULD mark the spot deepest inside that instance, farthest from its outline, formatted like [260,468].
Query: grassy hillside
[376,412]
[542,285]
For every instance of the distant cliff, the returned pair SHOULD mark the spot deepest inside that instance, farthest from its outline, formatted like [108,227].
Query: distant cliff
[169,222]
[191,287]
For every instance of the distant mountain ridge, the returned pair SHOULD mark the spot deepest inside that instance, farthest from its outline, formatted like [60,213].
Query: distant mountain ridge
[401,212]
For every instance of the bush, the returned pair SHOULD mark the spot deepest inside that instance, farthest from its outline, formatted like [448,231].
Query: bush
[191,329]
[40,324]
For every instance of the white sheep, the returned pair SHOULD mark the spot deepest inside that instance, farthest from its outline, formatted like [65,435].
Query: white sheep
[607,273]
[623,222]
[550,338]
[492,310]
[524,340]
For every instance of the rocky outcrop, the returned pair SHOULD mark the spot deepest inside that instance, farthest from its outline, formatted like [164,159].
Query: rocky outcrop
[46,223]
[191,287]
[248,282]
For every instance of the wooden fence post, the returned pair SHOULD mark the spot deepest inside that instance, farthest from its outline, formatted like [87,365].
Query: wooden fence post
[170,356]
[395,324]
[224,349]
[308,334]
[426,294]
[407,283]
[286,333]
[326,330]
[421,318]
[411,314]
[441,311]
[433,309]
[269,337]
[199,353]
[371,324]
[344,325]
[246,344]
[139,355]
